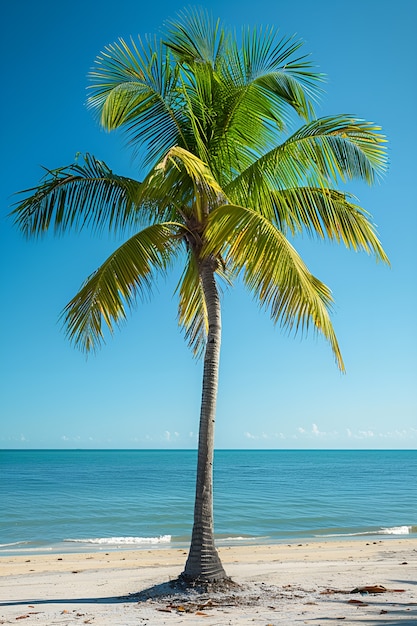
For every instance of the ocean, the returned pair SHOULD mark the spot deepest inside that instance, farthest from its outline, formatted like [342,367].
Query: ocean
[78,500]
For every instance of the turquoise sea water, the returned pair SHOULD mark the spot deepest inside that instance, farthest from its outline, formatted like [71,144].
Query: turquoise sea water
[101,500]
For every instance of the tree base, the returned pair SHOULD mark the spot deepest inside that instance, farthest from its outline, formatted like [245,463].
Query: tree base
[186,583]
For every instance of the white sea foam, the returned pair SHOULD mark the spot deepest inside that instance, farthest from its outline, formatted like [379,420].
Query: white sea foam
[14,543]
[122,541]
[394,530]
[229,539]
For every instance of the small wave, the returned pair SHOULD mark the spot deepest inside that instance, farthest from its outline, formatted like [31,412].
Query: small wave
[394,530]
[228,539]
[14,543]
[119,541]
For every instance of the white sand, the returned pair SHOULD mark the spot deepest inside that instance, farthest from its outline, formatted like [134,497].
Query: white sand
[278,584]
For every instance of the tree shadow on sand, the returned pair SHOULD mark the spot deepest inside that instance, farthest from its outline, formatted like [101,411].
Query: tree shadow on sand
[169,591]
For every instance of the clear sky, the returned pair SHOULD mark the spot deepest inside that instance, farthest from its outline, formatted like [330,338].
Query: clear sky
[142,390]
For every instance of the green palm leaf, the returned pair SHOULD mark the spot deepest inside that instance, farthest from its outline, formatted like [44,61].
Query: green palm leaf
[195,38]
[183,184]
[192,310]
[135,86]
[115,286]
[328,214]
[272,270]
[324,151]
[342,148]
[81,195]
[272,65]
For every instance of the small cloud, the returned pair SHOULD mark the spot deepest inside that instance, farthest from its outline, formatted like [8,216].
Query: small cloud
[365,434]
[168,436]
[261,436]
[316,432]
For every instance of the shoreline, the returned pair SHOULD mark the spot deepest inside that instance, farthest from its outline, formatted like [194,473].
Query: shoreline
[150,556]
[82,547]
[278,584]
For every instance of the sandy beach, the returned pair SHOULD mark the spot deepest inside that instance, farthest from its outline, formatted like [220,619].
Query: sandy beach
[308,583]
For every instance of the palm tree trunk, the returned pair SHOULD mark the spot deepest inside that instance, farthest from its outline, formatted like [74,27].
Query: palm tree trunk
[203,563]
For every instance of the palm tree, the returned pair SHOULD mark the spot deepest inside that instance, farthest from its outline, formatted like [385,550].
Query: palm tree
[224,189]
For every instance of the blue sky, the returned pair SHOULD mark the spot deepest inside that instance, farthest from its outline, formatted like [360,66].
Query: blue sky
[142,390]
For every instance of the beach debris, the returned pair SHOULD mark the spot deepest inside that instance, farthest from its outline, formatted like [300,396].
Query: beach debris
[357,602]
[375,589]
[370,589]
[367,589]
[22,616]
[197,608]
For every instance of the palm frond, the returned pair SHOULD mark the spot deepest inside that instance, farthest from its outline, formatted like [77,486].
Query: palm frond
[272,270]
[84,194]
[135,86]
[115,286]
[192,311]
[273,65]
[259,85]
[262,82]
[195,37]
[341,148]
[319,154]
[184,179]
[327,213]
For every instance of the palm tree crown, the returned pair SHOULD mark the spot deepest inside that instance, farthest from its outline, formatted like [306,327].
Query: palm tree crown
[225,184]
